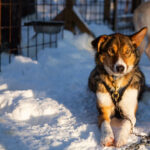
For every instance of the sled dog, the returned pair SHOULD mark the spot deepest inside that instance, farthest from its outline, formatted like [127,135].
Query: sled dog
[140,19]
[117,82]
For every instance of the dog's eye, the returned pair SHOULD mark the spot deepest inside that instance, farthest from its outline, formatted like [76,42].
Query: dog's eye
[127,52]
[111,52]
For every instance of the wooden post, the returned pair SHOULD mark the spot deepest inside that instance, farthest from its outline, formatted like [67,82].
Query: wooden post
[107,11]
[0,23]
[69,24]
[135,4]
[115,15]
[10,30]
[69,4]
[27,7]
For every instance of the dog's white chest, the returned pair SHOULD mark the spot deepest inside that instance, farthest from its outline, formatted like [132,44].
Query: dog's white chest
[128,102]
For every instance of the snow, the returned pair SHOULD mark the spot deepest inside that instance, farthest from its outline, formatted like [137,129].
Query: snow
[46,104]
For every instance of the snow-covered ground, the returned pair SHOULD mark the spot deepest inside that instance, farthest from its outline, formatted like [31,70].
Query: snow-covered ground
[46,105]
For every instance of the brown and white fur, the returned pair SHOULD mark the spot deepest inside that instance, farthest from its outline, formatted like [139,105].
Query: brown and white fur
[140,19]
[117,59]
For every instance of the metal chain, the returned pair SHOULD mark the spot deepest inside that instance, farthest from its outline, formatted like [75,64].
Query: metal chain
[145,139]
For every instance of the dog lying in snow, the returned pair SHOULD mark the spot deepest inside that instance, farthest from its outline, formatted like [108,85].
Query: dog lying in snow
[140,19]
[118,83]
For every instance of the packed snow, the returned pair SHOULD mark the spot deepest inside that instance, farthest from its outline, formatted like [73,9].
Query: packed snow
[46,104]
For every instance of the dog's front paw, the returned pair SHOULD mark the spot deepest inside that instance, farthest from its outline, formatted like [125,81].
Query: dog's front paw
[107,136]
[122,140]
[107,140]
[123,135]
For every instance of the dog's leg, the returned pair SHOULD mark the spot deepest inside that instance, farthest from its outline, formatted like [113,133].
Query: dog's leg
[128,105]
[105,105]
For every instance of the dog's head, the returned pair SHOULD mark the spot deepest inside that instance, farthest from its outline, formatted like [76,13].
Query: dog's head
[117,52]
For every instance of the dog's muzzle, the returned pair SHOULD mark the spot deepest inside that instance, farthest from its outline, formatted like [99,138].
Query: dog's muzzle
[119,68]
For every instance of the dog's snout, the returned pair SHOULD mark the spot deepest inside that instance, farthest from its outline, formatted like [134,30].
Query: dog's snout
[120,68]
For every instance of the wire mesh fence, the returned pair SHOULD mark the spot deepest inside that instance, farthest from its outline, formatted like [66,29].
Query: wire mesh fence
[27,26]
[124,15]
[17,33]
[91,11]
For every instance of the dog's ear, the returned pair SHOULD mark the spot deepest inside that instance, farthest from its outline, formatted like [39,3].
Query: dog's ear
[96,43]
[138,37]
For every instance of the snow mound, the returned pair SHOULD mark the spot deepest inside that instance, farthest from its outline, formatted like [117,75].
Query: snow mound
[83,42]
[26,109]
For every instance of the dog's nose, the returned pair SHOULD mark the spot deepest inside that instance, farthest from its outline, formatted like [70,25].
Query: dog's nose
[120,68]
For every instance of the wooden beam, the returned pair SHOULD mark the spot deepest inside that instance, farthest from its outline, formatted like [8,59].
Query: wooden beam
[71,19]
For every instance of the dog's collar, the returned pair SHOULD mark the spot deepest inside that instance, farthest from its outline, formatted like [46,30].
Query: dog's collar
[115,77]
[116,94]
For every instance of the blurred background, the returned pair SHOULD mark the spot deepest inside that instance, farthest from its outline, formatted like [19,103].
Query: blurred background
[27,25]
